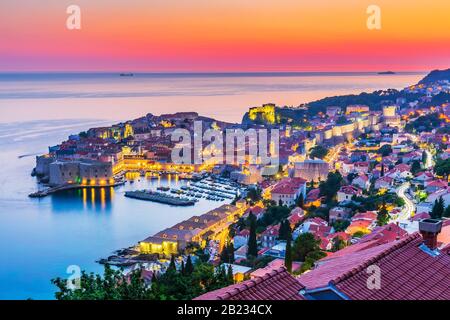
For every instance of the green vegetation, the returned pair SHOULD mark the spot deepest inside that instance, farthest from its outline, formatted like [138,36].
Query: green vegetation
[318,152]
[424,158]
[341,225]
[447,212]
[273,215]
[331,186]
[254,195]
[172,285]
[227,254]
[385,150]
[306,249]
[288,256]
[376,200]
[383,215]
[415,167]
[424,123]
[252,244]
[285,230]
[438,209]
[442,167]
[338,244]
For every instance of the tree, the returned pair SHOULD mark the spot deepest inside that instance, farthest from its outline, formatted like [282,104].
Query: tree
[182,268]
[230,276]
[171,285]
[318,152]
[383,215]
[252,244]
[447,212]
[338,244]
[438,209]
[442,167]
[189,268]
[274,214]
[331,186]
[172,265]
[385,150]
[303,245]
[310,259]
[415,167]
[254,194]
[284,231]
[227,254]
[424,158]
[341,225]
[300,201]
[288,255]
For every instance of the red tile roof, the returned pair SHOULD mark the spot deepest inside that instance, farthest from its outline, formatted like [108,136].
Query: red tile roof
[313,195]
[407,273]
[350,190]
[331,268]
[288,186]
[387,233]
[275,285]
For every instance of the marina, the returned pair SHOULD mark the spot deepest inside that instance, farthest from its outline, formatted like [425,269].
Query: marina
[160,197]
[211,188]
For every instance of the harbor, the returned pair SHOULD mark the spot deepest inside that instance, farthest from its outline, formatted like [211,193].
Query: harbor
[160,197]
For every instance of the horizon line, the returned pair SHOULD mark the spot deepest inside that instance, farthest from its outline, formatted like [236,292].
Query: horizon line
[204,72]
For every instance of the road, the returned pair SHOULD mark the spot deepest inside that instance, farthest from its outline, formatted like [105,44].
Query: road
[409,206]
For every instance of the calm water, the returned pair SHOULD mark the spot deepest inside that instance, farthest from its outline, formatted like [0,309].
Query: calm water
[39,239]
[224,96]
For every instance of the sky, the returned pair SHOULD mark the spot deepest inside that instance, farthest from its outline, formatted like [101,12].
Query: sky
[224,35]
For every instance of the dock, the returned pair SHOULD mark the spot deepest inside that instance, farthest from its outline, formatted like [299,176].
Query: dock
[159,197]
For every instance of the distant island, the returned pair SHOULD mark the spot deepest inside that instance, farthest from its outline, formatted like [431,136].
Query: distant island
[126,74]
[386,72]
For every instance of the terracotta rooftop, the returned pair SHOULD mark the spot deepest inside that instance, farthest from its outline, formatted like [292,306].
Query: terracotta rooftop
[288,186]
[407,273]
[275,285]
[386,233]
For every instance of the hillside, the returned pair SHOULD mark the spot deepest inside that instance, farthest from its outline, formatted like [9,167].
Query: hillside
[436,75]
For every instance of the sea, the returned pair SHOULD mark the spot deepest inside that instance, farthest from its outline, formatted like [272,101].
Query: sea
[41,239]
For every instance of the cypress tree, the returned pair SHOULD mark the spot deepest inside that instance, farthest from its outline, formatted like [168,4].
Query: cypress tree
[424,158]
[438,208]
[183,271]
[447,212]
[252,245]
[288,255]
[301,201]
[189,268]
[231,252]
[172,265]
[230,277]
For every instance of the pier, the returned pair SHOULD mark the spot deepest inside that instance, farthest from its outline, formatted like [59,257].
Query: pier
[159,197]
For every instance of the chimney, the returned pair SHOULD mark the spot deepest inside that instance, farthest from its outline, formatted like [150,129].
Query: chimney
[430,228]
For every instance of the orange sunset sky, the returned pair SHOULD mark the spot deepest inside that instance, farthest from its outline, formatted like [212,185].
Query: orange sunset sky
[224,35]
